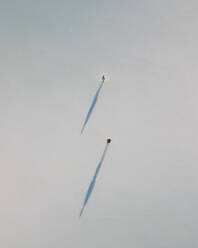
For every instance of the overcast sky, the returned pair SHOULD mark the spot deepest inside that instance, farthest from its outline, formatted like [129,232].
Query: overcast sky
[53,55]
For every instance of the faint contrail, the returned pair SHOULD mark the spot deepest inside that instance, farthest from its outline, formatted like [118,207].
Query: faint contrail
[93,104]
[91,186]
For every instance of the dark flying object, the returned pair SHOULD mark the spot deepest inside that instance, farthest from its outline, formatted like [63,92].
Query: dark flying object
[108,140]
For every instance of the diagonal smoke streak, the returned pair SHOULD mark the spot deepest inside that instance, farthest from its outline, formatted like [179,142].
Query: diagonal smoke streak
[92,106]
[91,186]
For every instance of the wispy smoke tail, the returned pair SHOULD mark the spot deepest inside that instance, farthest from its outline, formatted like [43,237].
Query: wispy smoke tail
[91,186]
[92,106]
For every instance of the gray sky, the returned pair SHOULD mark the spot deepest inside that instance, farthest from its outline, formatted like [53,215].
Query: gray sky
[53,54]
